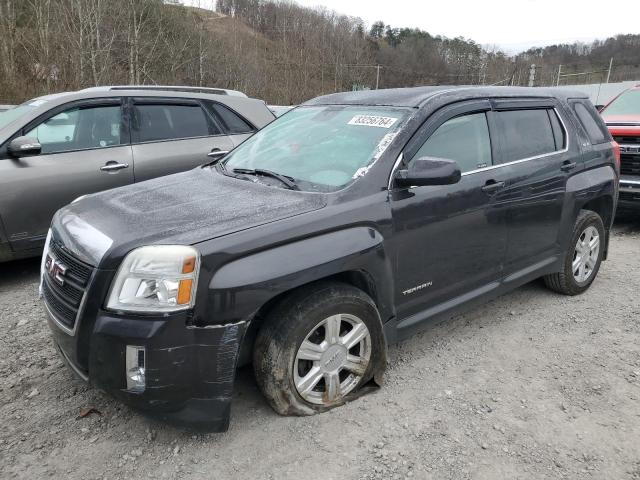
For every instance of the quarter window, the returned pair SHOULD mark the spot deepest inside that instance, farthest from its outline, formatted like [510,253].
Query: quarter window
[156,122]
[464,139]
[525,133]
[232,121]
[595,133]
[79,128]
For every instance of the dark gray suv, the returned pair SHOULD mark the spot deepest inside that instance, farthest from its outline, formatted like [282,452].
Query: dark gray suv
[346,225]
[56,148]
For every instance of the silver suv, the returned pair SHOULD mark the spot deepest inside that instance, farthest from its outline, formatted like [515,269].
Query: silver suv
[56,148]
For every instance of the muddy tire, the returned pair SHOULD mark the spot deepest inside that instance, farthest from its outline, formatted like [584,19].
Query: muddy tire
[317,347]
[582,258]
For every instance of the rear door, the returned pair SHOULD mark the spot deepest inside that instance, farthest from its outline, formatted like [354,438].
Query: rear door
[171,135]
[533,147]
[85,149]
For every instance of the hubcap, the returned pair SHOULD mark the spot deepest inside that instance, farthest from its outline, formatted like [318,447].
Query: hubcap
[332,359]
[585,255]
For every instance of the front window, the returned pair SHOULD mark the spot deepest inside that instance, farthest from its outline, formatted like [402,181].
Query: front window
[626,104]
[79,128]
[320,148]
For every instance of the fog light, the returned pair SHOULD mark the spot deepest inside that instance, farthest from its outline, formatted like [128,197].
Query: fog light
[135,368]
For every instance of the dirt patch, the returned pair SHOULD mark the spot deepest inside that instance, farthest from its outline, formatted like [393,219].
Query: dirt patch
[532,385]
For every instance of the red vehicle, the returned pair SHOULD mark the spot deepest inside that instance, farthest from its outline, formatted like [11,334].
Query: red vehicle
[622,116]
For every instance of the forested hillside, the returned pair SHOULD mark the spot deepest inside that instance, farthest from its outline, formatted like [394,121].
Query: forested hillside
[274,50]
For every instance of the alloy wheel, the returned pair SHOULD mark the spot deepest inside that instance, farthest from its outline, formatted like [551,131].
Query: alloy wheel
[332,359]
[585,256]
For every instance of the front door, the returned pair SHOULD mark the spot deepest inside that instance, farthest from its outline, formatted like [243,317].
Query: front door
[449,240]
[84,150]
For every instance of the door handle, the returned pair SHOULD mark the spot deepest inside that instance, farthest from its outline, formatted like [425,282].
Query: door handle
[112,167]
[492,186]
[568,166]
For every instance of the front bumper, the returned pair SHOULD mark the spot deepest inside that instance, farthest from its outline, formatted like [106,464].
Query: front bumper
[189,370]
[629,196]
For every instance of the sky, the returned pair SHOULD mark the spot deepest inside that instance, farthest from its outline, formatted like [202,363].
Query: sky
[513,25]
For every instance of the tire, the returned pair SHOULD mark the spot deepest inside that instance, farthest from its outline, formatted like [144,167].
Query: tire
[567,281]
[309,315]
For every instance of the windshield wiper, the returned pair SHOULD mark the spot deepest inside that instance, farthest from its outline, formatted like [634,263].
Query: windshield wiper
[286,180]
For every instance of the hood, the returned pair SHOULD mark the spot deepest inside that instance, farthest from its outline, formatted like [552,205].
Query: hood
[184,209]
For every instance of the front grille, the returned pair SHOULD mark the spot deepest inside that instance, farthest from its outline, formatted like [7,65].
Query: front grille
[630,164]
[629,140]
[64,300]
[629,196]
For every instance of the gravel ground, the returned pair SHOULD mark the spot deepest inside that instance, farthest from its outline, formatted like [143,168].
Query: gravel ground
[532,385]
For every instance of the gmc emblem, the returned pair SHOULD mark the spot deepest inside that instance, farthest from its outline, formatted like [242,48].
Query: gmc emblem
[56,269]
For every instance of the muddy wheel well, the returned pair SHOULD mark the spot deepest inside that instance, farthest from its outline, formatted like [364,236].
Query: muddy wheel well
[357,278]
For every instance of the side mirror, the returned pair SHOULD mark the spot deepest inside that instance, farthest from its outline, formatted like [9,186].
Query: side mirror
[24,147]
[429,171]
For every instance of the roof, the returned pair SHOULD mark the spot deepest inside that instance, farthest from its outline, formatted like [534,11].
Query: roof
[416,96]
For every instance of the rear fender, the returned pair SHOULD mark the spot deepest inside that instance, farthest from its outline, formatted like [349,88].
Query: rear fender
[598,186]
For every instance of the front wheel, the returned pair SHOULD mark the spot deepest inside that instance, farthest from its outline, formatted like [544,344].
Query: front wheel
[317,347]
[582,258]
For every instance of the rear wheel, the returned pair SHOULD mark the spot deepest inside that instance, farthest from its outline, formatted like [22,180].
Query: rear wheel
[583,257]
[317,347]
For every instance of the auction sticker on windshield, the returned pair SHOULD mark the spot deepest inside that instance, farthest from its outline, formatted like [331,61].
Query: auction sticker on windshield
[373,121]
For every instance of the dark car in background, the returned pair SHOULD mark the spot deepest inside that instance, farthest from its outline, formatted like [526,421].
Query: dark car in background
[622,116]
[344,226]
[56,148]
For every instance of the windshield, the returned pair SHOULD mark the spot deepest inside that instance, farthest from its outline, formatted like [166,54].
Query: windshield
[10,115]
[321,148]
[626,104]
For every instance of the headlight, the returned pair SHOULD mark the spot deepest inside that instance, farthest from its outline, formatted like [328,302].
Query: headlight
[156,278]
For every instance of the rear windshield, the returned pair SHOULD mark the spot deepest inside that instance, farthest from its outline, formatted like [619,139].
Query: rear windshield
[626,104]
[321,148]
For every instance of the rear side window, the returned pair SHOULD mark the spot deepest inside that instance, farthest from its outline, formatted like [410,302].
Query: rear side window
[559,135]
[155,122]
[525,133]
[464,139]
[231,120]
[589,123]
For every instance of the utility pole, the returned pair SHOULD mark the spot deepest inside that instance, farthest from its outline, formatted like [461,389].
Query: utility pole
[532,74]
[559,71]
[377,76]
[609,72]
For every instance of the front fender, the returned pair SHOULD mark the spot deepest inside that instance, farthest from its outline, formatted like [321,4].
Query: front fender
[240,288]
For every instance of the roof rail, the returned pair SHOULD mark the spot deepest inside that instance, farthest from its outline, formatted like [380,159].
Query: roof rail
[172,88]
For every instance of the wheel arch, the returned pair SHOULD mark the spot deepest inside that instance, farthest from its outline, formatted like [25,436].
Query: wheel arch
[360,279]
